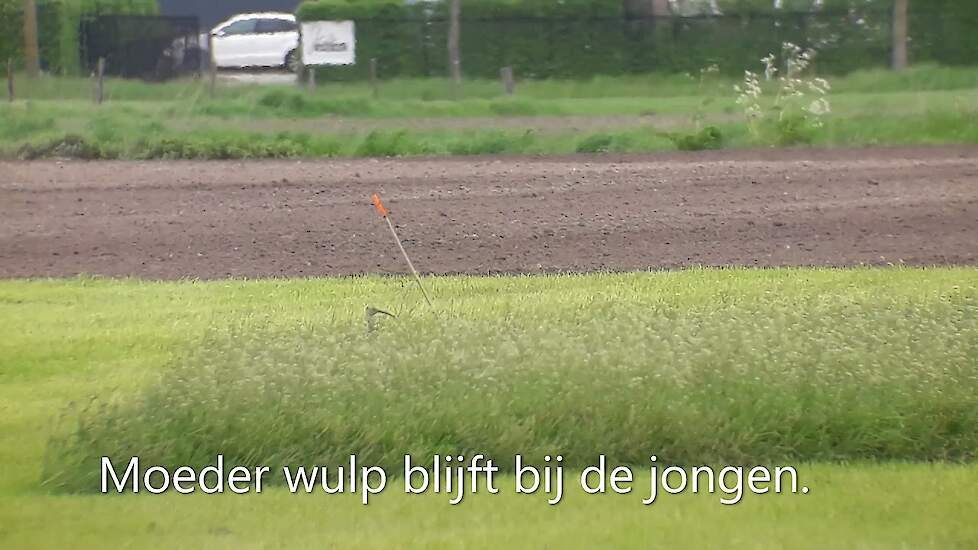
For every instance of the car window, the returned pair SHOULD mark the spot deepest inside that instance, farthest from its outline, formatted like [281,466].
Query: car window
[275,25]
[245,26]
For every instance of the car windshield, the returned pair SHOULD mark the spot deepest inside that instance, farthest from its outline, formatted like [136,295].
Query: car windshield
[245,26]
[275,25]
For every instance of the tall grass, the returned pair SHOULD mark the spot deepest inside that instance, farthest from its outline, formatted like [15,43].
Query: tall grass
[699,367]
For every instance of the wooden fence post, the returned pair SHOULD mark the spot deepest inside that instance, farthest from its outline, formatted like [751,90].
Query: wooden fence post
[100,81]
[506,75]
[374,89]
[32,56]
[454,55]
[211,66]
[10,80]
[899,60]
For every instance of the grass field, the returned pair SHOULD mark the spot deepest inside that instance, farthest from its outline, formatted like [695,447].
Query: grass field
[55,117]
[857,507]
[865,379]
[919,78]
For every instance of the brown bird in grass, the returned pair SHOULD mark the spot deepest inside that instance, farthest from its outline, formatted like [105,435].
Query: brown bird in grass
[371,312]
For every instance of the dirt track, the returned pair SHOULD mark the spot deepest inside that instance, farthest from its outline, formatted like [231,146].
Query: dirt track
[475,215]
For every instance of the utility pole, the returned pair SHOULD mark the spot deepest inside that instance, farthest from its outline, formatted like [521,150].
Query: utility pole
[32,57]
[454,56]
[900,9]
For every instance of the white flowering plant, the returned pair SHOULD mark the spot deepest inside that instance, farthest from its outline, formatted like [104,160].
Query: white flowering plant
[800,104]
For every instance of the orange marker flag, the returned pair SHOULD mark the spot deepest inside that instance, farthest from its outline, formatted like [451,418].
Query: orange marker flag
[379,206]
[383,213]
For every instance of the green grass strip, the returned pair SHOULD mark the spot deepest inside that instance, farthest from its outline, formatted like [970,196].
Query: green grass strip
[699,366]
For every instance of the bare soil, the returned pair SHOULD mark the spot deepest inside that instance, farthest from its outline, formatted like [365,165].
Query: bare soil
[169,220]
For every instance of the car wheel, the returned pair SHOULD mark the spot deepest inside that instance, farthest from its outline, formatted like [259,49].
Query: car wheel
[292,61]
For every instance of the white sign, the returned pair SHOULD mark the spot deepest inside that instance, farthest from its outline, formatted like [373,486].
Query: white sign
[328,43]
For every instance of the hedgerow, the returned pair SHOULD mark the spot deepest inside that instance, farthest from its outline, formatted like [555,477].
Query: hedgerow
[59,23]
[579,38]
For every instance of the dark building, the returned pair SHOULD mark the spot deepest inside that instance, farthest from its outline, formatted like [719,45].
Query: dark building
[212,12]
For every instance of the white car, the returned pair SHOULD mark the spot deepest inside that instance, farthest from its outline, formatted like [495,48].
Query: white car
[257,40]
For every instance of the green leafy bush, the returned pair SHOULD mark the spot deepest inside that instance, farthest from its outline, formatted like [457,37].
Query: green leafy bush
[709,137]
[794,130]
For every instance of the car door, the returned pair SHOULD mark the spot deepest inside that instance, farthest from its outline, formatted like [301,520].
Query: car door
[233,44]
[277,37]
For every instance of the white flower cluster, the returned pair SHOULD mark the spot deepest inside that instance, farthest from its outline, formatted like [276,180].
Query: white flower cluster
[749,96]
[796,96]
[819,87]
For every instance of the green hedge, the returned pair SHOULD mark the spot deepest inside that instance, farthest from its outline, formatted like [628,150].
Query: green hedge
[578,39]
[530,35]
[11,30]
[58,24]
[944,31]
[582,38]
[322,10]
